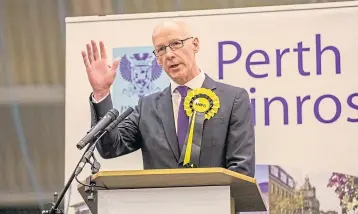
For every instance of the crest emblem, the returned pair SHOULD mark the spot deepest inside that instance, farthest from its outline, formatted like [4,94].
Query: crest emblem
[140,70]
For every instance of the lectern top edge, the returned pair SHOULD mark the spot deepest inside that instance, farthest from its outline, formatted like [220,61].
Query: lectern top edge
[244,190]
[174,171]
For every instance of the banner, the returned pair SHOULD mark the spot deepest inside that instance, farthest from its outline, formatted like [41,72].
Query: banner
[299,64]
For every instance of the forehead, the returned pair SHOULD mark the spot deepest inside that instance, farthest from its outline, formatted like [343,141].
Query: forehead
[167,33]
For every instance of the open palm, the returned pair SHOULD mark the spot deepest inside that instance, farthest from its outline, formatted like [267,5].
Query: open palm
[100,74]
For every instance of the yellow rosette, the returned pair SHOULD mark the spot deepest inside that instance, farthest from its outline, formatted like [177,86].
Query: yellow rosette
[202,100]
[200,104]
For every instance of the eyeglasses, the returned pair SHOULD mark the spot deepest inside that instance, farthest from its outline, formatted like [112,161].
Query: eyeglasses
[174,45]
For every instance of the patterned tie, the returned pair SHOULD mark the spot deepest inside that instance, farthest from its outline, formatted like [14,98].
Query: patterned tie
[183,119]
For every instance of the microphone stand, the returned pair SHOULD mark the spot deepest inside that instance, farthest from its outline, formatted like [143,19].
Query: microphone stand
[84,159]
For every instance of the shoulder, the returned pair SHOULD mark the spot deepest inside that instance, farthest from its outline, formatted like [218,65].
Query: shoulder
[235,92]
[230,88]
[232,98]
[235,101]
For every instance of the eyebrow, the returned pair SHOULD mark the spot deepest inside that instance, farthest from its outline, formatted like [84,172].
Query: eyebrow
[172,40]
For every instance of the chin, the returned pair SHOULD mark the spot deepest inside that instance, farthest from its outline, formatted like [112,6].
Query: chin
[178,74]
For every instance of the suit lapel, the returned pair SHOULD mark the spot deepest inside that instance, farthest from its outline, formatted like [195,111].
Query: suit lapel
[165,107]
[209,83]
[206,137]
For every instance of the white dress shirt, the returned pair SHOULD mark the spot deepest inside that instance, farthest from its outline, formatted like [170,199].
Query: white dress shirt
[196,82]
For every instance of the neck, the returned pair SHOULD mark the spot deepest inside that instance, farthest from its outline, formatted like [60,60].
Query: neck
[193,73]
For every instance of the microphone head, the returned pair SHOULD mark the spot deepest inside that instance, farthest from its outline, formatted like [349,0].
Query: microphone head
[114,112]
[80,145]
[110,116]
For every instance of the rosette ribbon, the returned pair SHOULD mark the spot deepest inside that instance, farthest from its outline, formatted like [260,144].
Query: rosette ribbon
[200,104]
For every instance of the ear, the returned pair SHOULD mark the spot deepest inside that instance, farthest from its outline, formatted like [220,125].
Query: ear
[196,44]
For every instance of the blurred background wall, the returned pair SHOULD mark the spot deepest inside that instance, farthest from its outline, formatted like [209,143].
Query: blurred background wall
[32,82]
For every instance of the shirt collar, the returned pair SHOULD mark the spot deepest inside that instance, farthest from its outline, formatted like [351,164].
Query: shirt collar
[196,82]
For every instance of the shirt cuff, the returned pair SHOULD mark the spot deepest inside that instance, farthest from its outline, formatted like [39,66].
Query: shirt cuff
[95,101]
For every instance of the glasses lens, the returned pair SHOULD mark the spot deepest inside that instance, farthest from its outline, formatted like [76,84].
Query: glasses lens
[176,44]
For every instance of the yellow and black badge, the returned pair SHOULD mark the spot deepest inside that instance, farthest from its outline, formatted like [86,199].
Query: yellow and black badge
[202,100]
[200,104]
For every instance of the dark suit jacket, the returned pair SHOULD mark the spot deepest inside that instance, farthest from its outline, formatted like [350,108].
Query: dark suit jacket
[228,138]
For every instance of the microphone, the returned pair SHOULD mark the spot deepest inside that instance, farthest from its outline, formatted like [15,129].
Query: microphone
[86,157]
[95,130]
[119,119]
[111,118]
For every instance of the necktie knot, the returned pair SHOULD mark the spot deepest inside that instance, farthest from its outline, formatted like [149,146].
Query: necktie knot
[183,90]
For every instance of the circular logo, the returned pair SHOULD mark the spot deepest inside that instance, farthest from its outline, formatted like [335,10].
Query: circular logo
[201,100]
[201,104]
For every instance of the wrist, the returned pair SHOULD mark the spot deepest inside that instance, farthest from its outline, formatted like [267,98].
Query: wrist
[99,95]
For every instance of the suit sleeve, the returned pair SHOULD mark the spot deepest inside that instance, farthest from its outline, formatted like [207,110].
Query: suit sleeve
[122,140]
[240,153]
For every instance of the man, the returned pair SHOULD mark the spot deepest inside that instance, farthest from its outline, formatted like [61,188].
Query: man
[158,125]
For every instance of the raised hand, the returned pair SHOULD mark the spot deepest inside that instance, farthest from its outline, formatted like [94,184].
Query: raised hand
[100,74]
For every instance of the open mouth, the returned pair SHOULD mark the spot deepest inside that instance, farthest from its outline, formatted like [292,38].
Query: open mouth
[174,66]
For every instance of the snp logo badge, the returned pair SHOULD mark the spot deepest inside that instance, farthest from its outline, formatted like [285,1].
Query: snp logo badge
[138,75]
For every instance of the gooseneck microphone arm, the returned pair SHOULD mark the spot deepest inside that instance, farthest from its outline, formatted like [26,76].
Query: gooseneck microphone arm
[86,157]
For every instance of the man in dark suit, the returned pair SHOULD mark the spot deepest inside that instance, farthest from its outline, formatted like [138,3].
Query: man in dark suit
[158,125]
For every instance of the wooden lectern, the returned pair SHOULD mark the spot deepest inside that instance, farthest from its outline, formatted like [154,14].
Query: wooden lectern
[172,191]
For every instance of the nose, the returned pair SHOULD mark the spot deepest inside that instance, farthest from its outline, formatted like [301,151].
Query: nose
[169,54]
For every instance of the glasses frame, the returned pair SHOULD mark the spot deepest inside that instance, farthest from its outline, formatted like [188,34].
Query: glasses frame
[170,46]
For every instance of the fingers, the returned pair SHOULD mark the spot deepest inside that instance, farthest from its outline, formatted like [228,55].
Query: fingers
[95,50]
[115,64]
[103,50]
[85,59]
[89,53]
[93,53]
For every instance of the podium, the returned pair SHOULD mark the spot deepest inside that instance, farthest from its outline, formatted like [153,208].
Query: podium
[172,191]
